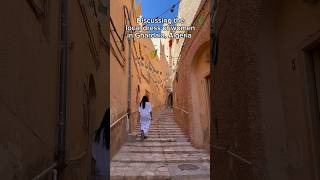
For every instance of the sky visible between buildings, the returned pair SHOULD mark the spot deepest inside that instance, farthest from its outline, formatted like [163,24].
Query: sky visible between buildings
[160,9]
[185,9]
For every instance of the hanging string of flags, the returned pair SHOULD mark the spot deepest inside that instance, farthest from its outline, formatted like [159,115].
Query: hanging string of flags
[154,54]
[201,19]
[157,82]
[148,67]
[170,43]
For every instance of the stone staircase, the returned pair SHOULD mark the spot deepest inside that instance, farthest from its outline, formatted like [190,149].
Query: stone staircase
[166,154]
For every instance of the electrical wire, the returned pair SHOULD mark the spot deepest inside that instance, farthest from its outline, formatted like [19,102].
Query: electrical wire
[173,6]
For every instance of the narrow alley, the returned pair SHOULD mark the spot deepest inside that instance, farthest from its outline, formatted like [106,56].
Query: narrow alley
[170,72]
[223,90]
[165,154]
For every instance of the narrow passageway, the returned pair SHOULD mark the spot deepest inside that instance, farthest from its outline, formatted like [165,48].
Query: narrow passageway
[165,154]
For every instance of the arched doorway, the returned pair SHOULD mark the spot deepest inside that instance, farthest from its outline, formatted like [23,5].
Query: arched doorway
[200,93]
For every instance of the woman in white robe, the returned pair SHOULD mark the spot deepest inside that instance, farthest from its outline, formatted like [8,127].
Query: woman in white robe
[145,111]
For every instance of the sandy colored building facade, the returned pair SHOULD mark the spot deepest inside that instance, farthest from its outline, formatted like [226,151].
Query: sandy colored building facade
[29,92]
[148,75]
[191,85]
[265,84]
[187,12]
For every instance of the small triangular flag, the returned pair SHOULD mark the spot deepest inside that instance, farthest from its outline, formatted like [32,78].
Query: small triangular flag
[201,19]
[154,54]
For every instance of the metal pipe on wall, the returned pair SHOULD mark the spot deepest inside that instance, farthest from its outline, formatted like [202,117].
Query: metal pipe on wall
[60,154]
[129,78]
[63,81]
[129,62]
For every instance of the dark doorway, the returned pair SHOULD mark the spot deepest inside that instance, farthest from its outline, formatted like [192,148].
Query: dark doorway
[314,80]
[170,101]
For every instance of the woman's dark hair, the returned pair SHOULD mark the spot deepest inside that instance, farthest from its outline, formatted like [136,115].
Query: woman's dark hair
[105,126]
[143,101]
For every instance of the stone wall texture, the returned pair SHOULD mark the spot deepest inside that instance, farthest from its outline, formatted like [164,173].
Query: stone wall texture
[144,79]
[261,124]
[186,92]
[29,91]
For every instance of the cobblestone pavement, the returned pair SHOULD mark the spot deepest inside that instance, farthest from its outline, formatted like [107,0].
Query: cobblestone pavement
[165,154]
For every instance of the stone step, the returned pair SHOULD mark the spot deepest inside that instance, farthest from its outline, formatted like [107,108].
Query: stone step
[135,171]
[159,129]
[157,144]
[160,133]
[156,134]
[166,135]
[145,175]
[164,122]
[161,124]
[168,117]
[167,150]
[163,119]
[162,128]
[155,139]
[159,171]
[155,158]
[160,157]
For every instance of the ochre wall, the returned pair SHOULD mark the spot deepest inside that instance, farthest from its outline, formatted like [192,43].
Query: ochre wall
[261,103]
[200,70]
[288,129]
[29,66]
[187,85]
[29,94]
[139,76]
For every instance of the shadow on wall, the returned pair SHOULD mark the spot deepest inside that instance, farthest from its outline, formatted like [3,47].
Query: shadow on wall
[200,94]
